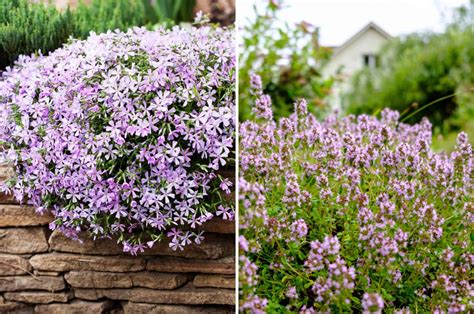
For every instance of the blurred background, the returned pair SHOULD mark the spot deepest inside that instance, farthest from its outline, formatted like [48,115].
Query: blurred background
[361,56]
[222,11]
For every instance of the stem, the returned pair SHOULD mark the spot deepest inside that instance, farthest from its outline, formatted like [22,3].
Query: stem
[429,104]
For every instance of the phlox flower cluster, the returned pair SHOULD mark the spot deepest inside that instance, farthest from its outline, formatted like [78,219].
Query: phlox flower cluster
[352,214]
[125,134]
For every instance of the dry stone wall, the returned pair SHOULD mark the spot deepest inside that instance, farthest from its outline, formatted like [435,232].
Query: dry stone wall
[44,272]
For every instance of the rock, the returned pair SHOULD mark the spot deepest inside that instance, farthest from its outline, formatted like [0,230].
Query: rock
[13,265]
[21,215]
[214,281]
[18,283]
[7,198]
[75,307]
[146,279]
[219,225]
[6,172]
[147,308]
[213,247]
[59,242]
[45,273]
[165,264]
[38,297]
[60,262]
[185,295]
[15,307]
[23,240]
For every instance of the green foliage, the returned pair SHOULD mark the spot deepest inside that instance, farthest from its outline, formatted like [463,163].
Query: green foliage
[288,58]
[27,27]
[421,69]
[170,10]
[103,15]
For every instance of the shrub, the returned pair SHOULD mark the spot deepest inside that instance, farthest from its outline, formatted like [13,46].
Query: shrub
[27,27]
[123,134]
[288,58]
[353,214]
[103,15]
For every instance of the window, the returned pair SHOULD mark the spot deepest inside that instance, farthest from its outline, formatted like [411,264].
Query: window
[370,60]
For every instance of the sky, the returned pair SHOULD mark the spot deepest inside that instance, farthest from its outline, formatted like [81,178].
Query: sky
[338,20]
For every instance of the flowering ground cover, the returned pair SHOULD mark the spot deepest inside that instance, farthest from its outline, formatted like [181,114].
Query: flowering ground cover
[123,134]
[352,214]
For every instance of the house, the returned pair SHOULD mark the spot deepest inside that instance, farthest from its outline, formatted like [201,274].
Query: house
[357,52]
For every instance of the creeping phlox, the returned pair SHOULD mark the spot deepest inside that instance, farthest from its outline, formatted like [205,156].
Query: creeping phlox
[352,214]
[125,134]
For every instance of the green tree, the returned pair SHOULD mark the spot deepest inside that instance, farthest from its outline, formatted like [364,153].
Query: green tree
[422,74]
[288,58]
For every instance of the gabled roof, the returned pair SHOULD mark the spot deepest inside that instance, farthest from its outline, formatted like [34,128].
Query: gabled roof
[356,36]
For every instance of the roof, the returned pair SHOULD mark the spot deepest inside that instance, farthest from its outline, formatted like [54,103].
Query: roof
[356,36]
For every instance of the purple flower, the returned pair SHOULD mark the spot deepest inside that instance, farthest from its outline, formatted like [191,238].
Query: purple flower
[372,303]
[291,293]
[348,205]
[243,243]
[121,134]
[225,185]
[225,212]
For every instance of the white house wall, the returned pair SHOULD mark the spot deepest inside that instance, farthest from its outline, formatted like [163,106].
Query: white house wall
[350,60]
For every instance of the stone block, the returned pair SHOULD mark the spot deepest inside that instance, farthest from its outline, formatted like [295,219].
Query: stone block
[19,283]
[21,216]
[6,171]
[7,198]
[23,240]
[38,297]
[218,225]
[61,262]
[152,280]
[45,273]
[11,265]
[16,308]
[147,308]
[186,295]
[165,264]
[214,281]
[75,307]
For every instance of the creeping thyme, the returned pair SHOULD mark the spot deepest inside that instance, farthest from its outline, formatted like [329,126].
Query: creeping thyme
[353,214]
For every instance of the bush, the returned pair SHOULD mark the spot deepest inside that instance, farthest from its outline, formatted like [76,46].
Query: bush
[103,15]
[288,58]
[353,214]
[123,134]
[27,27]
